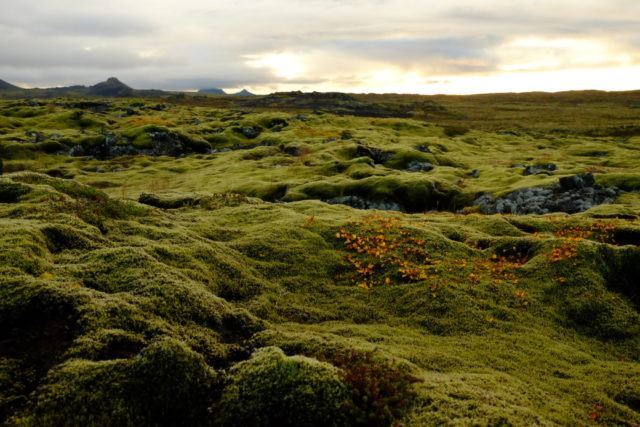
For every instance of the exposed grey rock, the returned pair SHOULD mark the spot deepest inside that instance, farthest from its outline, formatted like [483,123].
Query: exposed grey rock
[277,124]
[571,195]
[164,144]
[249,132]
[577,181]
[423,149]
[362,203]
[77,151]
[35,136]
[93,106]
[417,166]
[545,168]
[474,173]
[378,156]
[167,144]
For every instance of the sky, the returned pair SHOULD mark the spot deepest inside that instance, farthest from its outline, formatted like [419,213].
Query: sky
[381,46]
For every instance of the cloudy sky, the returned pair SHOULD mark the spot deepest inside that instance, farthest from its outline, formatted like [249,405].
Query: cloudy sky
[453,46]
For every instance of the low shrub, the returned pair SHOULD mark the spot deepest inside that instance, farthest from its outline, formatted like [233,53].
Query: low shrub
[381,392]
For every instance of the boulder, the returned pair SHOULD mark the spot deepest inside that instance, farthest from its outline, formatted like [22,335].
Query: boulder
[577,181]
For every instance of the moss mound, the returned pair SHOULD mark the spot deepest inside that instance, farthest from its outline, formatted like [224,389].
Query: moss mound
[272,389]
[167,384]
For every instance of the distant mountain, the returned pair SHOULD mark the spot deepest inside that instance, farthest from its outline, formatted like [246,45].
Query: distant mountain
[243,92]
[4,86]
[111,87]
[212,91]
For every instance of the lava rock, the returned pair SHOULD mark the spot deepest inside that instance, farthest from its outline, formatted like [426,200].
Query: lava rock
[167,203]
[571,195]
[577,181]
[167,144]
[417,166]
[277,124]
[291,151]
[249,132]
[35,136]
[378,156]
[362,203]
[545,168]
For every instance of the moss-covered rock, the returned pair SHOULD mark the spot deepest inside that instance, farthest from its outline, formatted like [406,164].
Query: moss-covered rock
[272,389]
[167,384]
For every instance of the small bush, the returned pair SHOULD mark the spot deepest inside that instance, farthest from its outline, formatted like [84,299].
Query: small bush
[380,392]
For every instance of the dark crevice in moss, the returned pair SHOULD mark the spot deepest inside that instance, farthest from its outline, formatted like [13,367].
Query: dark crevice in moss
[36,334]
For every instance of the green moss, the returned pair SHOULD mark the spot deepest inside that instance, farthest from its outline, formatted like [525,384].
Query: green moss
[626,182]
[167,384]
[112,312]
[11,192]
[271,389]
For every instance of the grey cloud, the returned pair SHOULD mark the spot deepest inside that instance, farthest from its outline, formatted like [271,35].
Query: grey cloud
[73,19]
[86,25]
[445,54]
[199,43]
[18,53]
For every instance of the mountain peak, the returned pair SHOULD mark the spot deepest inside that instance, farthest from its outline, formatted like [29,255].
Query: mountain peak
[213,91]
[111,87]
[243,92]
[8,86]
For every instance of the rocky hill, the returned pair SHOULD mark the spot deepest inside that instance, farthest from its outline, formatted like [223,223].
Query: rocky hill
[111,87]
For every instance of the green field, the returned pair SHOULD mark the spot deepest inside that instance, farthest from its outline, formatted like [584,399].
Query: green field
[173,261]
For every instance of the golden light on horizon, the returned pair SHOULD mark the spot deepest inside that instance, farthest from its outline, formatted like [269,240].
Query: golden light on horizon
[285,65]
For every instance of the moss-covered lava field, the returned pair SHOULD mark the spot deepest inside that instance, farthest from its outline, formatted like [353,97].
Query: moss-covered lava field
[321,259]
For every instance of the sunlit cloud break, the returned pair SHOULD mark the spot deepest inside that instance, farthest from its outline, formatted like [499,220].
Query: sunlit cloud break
[458,46]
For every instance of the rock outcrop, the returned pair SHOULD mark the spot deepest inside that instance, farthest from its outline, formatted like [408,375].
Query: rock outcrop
[571,194]
[363,203]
